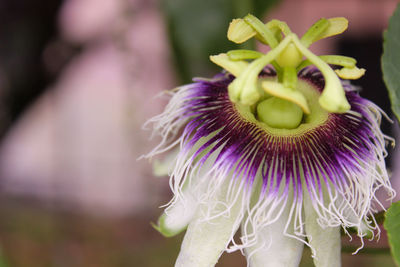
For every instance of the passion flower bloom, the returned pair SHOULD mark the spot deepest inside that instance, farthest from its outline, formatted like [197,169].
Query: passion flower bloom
[279,147]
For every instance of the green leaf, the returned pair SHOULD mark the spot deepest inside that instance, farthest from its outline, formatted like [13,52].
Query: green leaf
[197,29]
[391,61]
[392,226]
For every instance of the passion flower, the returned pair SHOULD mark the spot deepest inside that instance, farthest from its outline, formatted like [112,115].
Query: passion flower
[276,145]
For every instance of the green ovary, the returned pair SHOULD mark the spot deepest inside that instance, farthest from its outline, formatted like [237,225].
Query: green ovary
[279,113]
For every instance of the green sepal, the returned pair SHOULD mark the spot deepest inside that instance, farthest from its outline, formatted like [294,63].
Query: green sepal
[354,230]
[163,229]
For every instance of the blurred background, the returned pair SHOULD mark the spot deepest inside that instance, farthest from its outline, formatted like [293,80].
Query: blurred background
[78,78]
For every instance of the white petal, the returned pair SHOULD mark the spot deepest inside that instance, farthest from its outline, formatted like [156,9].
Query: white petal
[165,166]
[206,238]
[325,241]
[274,247]
[187,194]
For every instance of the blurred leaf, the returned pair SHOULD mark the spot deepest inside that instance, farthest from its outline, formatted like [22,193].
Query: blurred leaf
[392,226]
[391,61]
[2,261]
[197,29]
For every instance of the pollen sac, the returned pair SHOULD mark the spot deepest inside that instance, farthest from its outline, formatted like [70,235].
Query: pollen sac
[235,67]
[324,28]
[350,73]
[239,31]
[336,26]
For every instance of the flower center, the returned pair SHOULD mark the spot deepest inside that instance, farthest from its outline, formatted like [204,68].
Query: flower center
[280,117]
[279,103]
